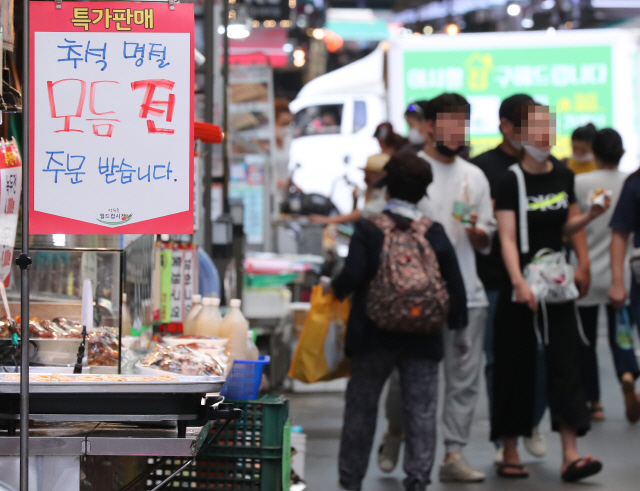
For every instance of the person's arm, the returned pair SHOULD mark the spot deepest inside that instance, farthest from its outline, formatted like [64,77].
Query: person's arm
[354,271]
[483,225]
[352,217]
[582,274]
[618,250]
[578,221]
[450,271]
[509,245]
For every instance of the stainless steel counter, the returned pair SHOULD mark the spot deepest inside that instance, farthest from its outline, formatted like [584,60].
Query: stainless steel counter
[80,439]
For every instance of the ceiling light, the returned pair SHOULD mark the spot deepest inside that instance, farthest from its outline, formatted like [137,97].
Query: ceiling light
[318,34]
[287,48]
[428,30]
[299,63]
[548,4]
[238,31]
[514,10]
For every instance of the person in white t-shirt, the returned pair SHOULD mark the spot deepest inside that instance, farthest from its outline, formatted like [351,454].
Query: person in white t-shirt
[460,199]
[607,179]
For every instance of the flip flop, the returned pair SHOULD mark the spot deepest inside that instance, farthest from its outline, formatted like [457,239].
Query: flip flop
[500,469]
[576,472]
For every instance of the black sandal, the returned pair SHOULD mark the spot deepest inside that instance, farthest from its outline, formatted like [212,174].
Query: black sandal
[503,467]
[576,472]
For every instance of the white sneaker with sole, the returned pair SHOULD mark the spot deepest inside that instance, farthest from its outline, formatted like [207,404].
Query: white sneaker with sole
[537,444]
[388,453]
[459,470]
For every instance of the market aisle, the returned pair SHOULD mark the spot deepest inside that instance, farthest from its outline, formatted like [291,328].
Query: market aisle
[615,442]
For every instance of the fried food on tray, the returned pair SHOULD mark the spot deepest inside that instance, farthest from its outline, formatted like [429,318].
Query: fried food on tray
[56,377]
[182,360]
[103,347]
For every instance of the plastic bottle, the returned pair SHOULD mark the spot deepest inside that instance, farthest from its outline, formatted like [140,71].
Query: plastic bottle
[189,323]
[234,327]
[209,319]
[252,352]
[126,316]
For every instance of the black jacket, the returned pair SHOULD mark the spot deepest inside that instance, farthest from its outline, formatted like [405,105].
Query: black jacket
[361,267]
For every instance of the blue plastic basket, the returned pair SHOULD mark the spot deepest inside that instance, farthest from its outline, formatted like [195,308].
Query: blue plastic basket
[243,381]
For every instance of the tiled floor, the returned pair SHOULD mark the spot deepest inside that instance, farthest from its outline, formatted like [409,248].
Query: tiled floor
[615,442]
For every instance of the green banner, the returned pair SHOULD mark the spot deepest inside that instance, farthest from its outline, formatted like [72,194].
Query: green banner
[575,81]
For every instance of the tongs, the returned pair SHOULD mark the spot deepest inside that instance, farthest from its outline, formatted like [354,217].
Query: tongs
[87,322]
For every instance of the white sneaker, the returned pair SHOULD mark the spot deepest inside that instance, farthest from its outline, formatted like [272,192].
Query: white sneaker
[498,458]
[388,452]
[459,470]
[537,444]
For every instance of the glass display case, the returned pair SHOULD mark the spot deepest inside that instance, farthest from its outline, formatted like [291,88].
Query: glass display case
[115,265]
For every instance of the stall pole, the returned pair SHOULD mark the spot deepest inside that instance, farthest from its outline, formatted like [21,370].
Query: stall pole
[210,52]
[225,107]
[24,260]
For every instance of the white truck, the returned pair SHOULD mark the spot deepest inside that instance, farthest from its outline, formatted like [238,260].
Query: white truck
[586,75]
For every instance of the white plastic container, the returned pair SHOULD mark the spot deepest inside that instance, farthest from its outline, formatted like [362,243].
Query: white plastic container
[189,323]
[209,319]
[252,352]
[266,303]
[234,327]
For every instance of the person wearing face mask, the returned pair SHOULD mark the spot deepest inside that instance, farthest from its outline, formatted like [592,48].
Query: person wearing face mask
[414,116]
[546,188]
[581,143]
[459,197]
[283,143]
[495,164]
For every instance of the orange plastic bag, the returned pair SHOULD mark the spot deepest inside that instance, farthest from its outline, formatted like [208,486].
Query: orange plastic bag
[319,355]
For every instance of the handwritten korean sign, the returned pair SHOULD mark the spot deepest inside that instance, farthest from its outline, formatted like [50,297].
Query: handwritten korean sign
[10,188]
[112,118]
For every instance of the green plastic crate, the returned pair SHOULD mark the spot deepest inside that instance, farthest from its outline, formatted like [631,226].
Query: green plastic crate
[231,473]
[269,280]
[259,434]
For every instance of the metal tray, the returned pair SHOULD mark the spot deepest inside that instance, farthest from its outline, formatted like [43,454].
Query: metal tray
[185,385]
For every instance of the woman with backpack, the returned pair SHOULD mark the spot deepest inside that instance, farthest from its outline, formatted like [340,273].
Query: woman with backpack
[406,285]
[535,207]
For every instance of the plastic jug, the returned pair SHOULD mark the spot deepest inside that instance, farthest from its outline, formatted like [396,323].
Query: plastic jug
[234,327]
[252,352]
[189,323]
[209,319]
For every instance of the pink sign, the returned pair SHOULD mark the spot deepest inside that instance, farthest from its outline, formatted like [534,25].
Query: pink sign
[111,118]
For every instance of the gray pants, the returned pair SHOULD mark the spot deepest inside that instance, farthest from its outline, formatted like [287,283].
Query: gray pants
[462,386]
[418,379]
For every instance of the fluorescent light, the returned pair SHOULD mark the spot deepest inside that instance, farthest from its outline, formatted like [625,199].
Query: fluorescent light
[238,31]
[514,10]
[527,23]
[615,4]
[59,240]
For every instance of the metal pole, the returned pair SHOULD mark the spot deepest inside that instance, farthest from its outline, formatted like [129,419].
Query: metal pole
[24,261]
[225,107]
[210,53]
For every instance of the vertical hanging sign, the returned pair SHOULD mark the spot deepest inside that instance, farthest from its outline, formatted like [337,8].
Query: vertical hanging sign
[10,188]
[111,118]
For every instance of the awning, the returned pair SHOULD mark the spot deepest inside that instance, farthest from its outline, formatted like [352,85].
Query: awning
[353,30]
[261,47]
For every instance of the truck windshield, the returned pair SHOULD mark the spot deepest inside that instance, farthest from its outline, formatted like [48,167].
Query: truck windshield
[318,120]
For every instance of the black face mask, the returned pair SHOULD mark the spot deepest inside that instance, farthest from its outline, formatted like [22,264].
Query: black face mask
[447,152]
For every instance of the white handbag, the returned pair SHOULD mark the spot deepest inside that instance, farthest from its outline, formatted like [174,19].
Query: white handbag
[549,276]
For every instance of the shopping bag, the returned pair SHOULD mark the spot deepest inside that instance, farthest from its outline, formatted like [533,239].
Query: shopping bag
[624,330]
[319,355]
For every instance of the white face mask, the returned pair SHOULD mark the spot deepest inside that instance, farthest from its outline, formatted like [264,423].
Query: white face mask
[515,144]
[583,158]
[415,137]
[539,155]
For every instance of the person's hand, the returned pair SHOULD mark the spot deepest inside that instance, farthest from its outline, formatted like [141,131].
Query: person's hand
[462,343]
[582,279]
[617,295]
[598,209]
[325,283]
[524,294]
[473,220]
[319,219]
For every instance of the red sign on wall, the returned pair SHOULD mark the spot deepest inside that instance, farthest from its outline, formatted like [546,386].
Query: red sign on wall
[111,118]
